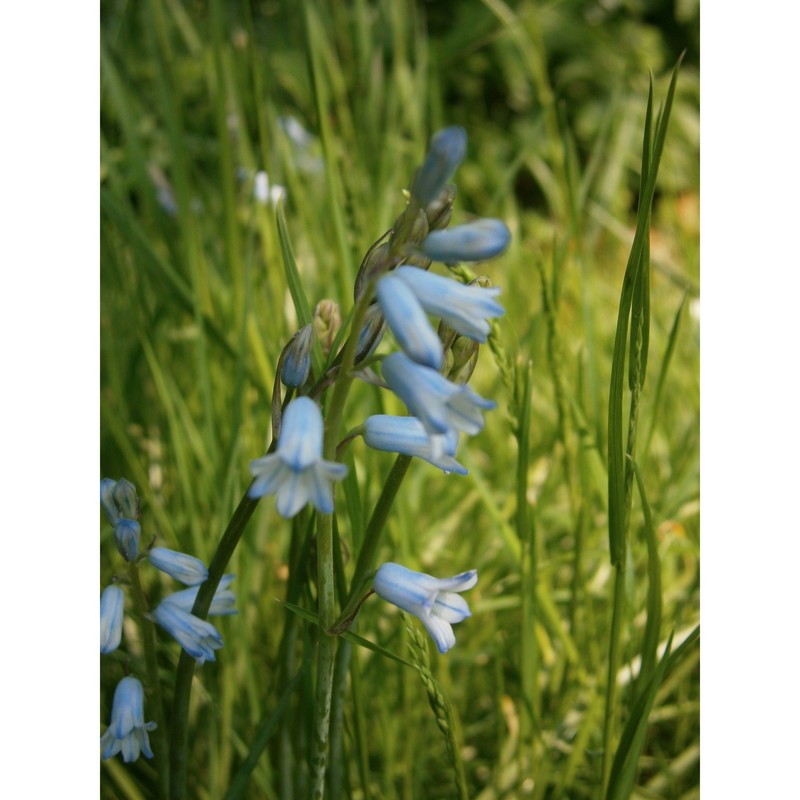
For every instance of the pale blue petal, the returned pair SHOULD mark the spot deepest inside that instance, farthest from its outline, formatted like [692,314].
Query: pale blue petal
[112,605]
[475,241]
[196,636]
[408,322]
[407,435]
[465,308]
[187,569]
[127,732]
[451,607]
[445,152]
[441,632]
[268,472]
[300,440]
[294,492]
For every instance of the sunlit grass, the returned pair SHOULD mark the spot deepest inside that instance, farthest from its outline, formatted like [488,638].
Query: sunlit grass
[196,308]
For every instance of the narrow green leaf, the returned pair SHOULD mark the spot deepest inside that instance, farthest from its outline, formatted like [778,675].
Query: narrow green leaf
[662,375]
[652,631]
[295,282]
[626,760]
[310,616]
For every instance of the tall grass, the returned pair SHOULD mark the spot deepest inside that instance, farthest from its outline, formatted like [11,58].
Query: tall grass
[578,674]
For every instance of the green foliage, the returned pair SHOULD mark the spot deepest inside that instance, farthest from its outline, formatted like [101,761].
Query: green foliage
[202,286]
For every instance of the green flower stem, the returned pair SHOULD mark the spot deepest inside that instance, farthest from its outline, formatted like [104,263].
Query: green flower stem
[183,677]
[326,595]
[376,523]
[156,708]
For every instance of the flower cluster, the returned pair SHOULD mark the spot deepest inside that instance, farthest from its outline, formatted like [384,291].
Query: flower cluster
[127,732]
[442,405]
[430,374]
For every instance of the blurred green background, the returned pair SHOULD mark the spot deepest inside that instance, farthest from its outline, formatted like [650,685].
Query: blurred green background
[335,102]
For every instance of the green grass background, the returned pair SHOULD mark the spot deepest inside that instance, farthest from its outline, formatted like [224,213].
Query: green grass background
[195,310]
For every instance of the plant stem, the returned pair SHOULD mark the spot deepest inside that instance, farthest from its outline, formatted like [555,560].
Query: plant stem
[326,594]
[183,676]
[154,685]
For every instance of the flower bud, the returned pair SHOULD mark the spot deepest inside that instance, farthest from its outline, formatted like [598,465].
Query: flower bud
[327,321]
[440,211]
[464,353]
[371,333]
[445,152]
[475,241]
[107,499]
[126,536]
[297,358]
[377,261]
[127,500]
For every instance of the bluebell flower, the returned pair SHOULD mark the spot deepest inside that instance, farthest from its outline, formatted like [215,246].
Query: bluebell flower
[433,600]
[297,361]
[187,569]
[126,537]
[407,435]
[465,308]
[475,241]
[445,152]
[222,604]
[112,606]
[408,321]
[441,406]
[296,472]
[196,636]
[128,730]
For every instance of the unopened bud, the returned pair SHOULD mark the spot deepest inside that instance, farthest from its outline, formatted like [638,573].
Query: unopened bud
[465,357]
[297,358]
[371,332]
[377,261]
[327,321]
[107,499]
[127,500]
[440,211]
[126,537]
[445,152]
